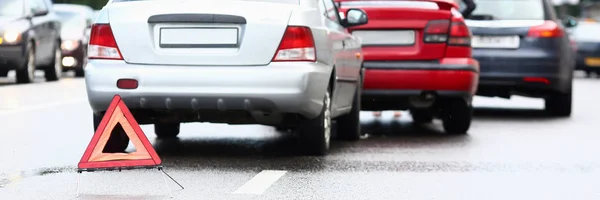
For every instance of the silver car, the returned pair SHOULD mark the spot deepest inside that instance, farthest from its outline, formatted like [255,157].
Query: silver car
[290,64]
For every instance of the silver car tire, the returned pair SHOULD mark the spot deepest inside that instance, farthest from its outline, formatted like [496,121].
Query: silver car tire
[348,126]
[167,130]
[315,135]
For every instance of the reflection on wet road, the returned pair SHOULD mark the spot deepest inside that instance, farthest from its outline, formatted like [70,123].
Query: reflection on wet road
[512,152]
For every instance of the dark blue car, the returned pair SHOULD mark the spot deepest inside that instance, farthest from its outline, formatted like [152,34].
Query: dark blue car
[586,37]
[523,49]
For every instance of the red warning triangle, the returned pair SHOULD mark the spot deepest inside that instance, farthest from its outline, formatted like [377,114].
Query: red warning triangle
[145,155]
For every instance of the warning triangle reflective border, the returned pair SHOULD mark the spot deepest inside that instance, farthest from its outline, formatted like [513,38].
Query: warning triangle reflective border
[118,113]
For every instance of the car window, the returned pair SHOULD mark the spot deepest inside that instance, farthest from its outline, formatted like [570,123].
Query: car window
[509,9]
[586,32]
[43,4]
[331,11]
[11,7]
[36,5]
[65,16]
[71,19]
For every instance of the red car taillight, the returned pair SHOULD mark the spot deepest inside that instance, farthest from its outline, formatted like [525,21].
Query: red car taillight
[297,45]
[548,29]
[459,34]
[436,31]
[102,44]
[443,31]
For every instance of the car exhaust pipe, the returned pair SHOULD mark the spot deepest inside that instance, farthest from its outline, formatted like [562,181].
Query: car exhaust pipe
[424,100]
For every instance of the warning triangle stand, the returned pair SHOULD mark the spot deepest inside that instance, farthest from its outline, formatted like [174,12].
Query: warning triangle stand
[145,157]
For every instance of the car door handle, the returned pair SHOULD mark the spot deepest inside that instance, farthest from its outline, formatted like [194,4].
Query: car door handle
[344,44]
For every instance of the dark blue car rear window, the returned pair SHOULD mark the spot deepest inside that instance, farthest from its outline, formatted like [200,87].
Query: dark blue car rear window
[510,9]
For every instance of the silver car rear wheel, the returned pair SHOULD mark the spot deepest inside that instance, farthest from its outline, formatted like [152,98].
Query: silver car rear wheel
[316,133]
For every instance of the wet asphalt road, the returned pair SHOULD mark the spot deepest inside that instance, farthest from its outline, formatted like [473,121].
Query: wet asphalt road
[512,152]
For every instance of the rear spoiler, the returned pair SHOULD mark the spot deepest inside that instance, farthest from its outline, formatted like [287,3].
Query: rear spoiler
[442,4]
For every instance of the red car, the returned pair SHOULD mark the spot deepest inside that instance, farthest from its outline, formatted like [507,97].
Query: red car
[417,57]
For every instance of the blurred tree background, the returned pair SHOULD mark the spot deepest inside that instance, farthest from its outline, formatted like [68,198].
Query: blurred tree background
[96,4]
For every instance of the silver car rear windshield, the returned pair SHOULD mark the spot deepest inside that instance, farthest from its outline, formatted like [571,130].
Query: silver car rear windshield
[509,9]
[271,1]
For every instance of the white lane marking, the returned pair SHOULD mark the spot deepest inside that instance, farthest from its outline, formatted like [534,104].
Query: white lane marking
[40,106]
[261,182]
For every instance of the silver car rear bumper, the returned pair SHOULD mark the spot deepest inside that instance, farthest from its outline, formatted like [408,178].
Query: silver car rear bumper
[297,87]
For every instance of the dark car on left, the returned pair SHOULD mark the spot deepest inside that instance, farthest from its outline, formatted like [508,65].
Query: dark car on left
[29,40]
[76,23]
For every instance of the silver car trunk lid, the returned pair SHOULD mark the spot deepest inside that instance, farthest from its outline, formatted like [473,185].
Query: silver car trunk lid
[193,33]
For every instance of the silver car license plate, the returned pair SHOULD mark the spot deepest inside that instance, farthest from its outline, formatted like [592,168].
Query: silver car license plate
[199,37]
